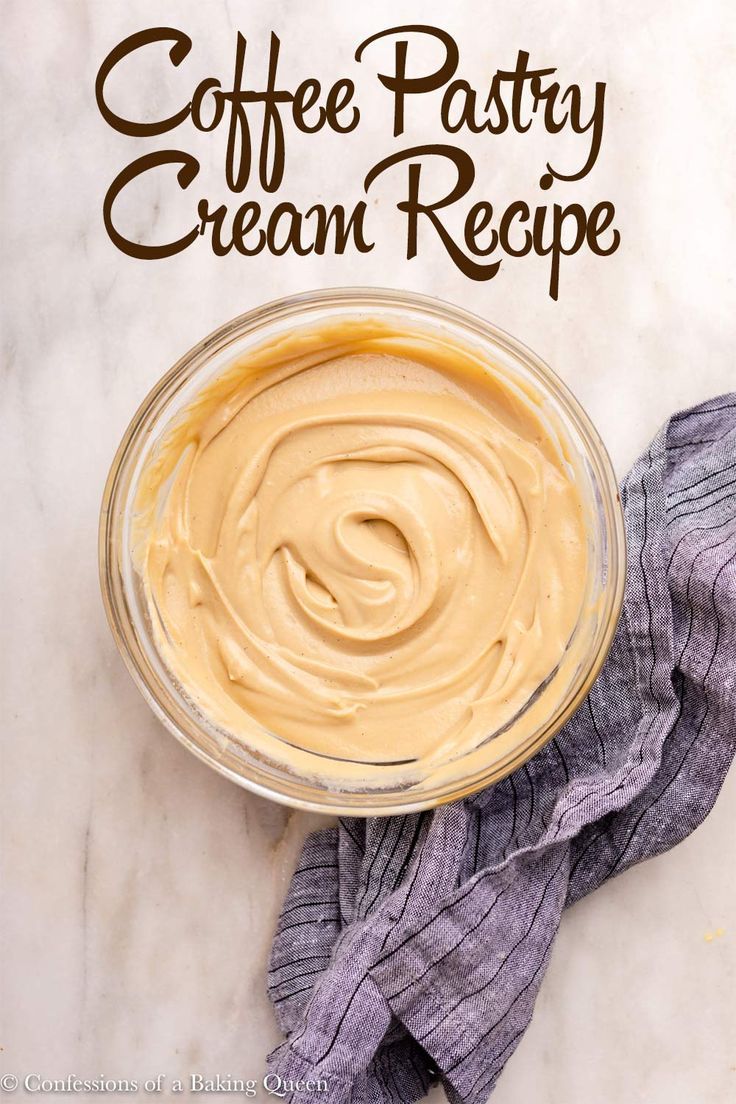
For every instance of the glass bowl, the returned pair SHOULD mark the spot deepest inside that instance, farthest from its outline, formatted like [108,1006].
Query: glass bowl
[555,700]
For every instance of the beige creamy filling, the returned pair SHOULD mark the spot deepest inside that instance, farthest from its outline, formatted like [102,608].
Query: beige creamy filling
[365,543]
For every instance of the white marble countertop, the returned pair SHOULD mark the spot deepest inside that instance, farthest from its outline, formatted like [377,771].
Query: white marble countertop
[140,889]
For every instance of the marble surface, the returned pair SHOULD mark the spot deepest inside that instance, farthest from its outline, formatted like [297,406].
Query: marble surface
[140,890]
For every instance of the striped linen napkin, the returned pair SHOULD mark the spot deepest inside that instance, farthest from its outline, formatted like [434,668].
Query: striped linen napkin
[411,949]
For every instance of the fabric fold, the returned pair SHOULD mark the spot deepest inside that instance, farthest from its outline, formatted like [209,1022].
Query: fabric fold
[412,949]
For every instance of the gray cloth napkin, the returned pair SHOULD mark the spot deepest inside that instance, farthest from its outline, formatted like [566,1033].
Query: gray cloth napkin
[412,949]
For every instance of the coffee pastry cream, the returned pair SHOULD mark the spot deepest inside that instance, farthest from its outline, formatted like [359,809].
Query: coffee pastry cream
[361,547]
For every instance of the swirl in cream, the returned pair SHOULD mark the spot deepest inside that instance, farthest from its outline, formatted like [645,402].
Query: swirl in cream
[365,543]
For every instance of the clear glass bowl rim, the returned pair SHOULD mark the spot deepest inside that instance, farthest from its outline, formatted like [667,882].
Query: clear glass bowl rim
[306,794]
